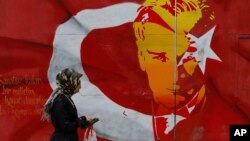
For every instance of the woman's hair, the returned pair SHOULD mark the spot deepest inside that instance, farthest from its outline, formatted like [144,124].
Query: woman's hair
[67,81]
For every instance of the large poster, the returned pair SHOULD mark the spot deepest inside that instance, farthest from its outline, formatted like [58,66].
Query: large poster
[152,69]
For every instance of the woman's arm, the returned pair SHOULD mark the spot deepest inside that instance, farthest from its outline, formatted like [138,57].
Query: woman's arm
[62,116]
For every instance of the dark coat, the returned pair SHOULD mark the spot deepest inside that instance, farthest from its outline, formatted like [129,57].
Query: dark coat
[64,119]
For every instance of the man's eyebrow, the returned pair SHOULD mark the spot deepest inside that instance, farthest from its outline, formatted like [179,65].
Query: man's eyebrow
[160,55]
[156,53]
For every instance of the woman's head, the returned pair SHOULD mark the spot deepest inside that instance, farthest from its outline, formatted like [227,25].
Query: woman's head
[68,81]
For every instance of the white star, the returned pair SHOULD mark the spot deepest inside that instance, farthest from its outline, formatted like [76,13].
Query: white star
[204,51]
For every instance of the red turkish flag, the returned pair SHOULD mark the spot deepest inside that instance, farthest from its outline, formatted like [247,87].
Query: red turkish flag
[227,86]
[26,34]
[27,30]
[26,44]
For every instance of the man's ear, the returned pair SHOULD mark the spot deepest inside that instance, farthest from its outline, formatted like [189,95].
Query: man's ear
[141,58]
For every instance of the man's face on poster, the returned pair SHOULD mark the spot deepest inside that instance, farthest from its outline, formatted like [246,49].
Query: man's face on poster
[158,58]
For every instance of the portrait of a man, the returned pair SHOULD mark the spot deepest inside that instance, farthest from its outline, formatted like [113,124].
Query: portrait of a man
[149,69]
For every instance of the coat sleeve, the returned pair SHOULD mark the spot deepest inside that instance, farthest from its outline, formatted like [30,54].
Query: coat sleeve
[62,116]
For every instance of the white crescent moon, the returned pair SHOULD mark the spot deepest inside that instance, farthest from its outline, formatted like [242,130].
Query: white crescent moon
[92,101]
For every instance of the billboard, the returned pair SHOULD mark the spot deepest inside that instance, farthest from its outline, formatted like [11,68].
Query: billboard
[152,70]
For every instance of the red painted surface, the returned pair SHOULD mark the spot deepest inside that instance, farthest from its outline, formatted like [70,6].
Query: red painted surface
[26,34]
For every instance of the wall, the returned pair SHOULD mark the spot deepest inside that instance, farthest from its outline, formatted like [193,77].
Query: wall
[150,71]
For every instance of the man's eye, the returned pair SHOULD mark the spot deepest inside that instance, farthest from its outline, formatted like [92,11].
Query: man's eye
[158,55]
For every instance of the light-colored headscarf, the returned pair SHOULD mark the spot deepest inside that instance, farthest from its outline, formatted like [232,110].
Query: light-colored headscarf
[67,81]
